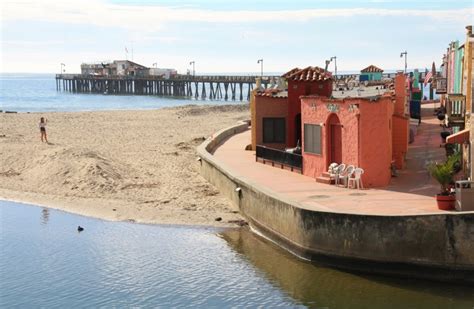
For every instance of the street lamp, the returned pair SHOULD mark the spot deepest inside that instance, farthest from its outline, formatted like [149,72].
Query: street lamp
[62,70]
[335,66]
[193,64]
[155,65]
[261,66]
[401,55]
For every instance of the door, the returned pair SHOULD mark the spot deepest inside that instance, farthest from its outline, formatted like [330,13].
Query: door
[334,140]
[298,130]
[336,143]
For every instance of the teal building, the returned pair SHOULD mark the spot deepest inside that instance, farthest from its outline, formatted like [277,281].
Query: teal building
[370,73]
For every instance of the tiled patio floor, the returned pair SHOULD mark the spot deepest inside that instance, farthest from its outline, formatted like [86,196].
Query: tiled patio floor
[411,193]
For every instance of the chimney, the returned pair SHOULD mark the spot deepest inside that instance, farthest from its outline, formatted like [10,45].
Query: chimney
[469,30]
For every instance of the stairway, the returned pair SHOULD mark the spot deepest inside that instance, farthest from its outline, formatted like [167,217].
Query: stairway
[325,178]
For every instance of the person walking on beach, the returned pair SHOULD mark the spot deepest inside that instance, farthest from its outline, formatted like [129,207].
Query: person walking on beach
[42,126]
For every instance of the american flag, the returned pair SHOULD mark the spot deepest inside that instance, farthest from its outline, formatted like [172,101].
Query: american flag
[428,77]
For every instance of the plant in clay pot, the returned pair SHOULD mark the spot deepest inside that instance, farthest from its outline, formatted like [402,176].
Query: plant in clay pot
[443,173]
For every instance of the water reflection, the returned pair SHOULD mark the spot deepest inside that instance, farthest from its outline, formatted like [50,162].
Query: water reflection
[118,264]
[318,287]
[44,216]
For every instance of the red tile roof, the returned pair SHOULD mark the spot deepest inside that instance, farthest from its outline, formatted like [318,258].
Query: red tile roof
[275,93]
[371,69]
[308,74]
[290,72]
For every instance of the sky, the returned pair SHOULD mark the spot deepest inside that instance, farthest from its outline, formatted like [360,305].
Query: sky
[228,36]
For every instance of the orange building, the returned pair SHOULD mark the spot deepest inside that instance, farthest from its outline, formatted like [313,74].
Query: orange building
[270,119]
[401,122]
[365,127]
[276,111]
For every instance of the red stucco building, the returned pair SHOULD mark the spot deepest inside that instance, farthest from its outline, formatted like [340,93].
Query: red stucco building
[276,112]
[367,128]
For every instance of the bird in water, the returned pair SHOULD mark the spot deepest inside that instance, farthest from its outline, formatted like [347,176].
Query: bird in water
[80,228]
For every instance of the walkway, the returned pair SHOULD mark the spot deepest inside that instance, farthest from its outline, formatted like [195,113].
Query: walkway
[412,193]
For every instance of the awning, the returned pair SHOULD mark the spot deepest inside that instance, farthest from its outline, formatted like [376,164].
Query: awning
[458,138]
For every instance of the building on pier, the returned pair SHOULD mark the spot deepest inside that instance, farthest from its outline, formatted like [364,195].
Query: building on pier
[116,68]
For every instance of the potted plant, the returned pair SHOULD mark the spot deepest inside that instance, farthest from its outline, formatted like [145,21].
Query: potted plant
[443,173]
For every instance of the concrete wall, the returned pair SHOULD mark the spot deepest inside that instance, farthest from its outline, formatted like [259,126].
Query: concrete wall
[427,246]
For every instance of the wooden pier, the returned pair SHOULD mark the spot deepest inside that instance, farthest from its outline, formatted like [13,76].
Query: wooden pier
[202,87]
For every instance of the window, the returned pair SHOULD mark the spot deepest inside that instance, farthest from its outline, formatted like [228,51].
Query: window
[312,138]
[274,130]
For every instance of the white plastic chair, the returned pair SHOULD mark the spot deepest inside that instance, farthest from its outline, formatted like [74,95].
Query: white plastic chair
[346,175]
[332,169]
[356,180]
[339,171]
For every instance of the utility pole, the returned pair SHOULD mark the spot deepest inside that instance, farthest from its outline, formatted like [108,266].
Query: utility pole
[401,55]
[193,64]
[261,66]
[335,66]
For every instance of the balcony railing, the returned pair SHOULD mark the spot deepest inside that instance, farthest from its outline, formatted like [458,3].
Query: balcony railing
[283,158]
[441,85]
[455,109]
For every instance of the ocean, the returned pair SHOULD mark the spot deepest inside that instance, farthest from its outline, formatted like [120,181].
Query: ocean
[37,93]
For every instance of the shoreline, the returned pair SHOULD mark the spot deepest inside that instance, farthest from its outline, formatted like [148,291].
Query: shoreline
[133,166]
[190,104]
[92,216]
[70,207]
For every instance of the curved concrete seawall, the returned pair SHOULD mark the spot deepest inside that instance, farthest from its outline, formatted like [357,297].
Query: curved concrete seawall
[438,246]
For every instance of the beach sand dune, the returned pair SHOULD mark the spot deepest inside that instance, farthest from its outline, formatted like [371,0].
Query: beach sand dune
[117,165]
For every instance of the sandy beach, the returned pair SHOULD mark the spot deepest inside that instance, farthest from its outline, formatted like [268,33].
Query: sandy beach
[137,166]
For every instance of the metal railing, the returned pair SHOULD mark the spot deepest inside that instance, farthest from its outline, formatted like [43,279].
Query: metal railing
[289,159]
[186,78]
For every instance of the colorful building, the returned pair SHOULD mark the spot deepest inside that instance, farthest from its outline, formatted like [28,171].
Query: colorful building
[371,73]
[366,127]
[459,74]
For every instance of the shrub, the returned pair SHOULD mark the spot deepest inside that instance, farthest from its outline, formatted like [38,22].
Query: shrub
[444,172]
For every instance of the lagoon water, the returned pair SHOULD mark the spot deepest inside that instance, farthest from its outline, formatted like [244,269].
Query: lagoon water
[45,262]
